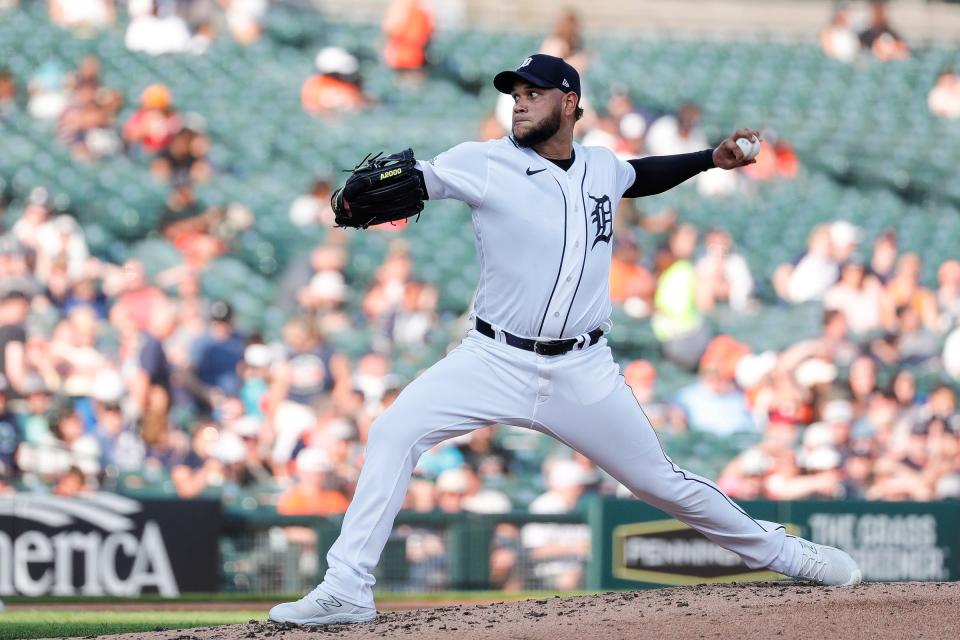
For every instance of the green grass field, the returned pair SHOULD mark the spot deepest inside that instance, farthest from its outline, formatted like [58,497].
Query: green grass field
[59,623]
[381,596]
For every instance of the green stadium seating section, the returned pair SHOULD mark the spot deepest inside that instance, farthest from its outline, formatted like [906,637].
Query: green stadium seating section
[871,153]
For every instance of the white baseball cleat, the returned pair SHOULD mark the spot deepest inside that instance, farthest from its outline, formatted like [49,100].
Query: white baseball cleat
[825,565]
[319,608]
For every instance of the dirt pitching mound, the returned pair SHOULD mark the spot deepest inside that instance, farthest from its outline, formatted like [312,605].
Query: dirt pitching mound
[754,610]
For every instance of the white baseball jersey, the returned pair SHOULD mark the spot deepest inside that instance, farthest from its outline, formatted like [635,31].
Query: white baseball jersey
[543,234]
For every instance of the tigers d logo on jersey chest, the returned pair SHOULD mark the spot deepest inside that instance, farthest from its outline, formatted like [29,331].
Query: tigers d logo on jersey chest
[602,218]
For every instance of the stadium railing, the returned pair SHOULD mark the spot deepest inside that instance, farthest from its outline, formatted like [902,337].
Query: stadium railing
[263,552]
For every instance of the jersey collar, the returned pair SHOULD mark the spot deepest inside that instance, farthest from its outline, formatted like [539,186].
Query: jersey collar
[539,162]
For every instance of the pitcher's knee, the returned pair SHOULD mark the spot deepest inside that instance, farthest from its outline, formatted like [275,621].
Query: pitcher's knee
[389,434]
[400,434]
[677,491]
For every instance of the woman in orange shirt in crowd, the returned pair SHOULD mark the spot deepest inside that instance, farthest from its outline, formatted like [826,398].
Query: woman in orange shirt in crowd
[310,496]
[336,85]
[408,27]
[628,278]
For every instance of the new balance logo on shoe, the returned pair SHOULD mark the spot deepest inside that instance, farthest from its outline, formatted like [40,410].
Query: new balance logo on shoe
[328,604]
[808,546]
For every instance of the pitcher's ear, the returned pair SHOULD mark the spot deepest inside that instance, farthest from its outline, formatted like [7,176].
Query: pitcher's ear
[578,110]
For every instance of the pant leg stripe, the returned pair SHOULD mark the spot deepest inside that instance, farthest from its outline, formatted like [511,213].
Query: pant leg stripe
[675,469]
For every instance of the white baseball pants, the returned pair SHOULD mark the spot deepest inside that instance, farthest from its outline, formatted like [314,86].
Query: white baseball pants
[579,398]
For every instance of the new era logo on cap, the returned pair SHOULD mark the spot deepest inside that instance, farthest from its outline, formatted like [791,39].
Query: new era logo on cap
[565,83]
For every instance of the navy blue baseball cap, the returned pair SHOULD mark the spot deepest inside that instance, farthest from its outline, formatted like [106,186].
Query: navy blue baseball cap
[540,70]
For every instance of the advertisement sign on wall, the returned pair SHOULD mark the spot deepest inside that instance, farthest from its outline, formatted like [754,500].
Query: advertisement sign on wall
[890,541]
[670,552]
[106,544]
[636,545]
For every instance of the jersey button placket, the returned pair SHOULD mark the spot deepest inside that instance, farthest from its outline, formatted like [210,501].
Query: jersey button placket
[570,261]
[574,257]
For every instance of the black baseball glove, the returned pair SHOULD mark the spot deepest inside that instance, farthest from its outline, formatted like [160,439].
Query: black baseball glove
[380,190]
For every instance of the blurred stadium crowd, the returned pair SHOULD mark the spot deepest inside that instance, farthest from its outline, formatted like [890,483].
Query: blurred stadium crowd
[134,356]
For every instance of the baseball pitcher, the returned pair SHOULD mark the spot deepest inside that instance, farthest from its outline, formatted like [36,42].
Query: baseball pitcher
[536,357]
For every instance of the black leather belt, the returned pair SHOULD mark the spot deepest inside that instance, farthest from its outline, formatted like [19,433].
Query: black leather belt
[540,347]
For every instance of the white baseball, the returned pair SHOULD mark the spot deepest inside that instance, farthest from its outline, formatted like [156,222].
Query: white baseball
[749,149]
